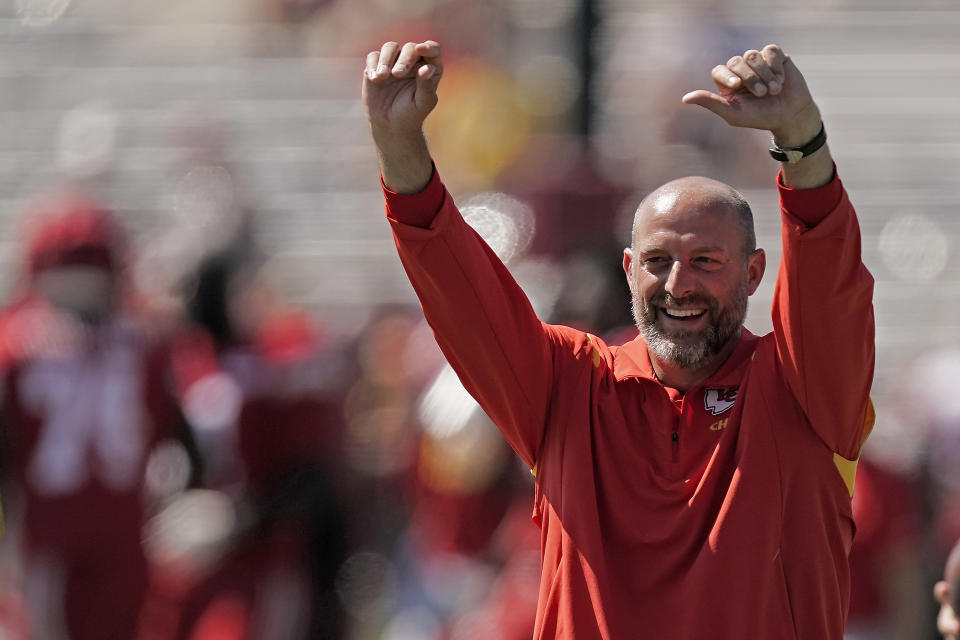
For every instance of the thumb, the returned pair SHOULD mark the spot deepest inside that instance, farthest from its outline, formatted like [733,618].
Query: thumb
[428,77]
[712,101]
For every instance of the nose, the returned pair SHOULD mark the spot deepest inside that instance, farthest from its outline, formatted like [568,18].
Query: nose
[681,281]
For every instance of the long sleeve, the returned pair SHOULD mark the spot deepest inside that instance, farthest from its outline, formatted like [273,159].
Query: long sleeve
[482,319]
[823,314]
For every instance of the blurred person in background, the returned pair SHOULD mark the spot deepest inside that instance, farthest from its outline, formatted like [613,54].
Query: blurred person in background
[465,558]
[699,477]
[435,498]
[947,594]
[887,599]
[87,396]
[261,391]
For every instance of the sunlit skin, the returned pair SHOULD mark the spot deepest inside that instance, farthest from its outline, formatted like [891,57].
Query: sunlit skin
[688,256]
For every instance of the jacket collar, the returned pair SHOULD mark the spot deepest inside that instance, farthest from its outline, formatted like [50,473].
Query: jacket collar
[632,360]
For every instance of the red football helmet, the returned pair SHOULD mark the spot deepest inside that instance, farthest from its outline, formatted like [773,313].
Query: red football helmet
[71,228]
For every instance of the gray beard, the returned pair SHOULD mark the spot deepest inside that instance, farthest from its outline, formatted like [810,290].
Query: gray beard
[725,323]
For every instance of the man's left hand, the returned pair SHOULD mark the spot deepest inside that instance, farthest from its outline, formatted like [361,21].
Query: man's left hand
[763,90]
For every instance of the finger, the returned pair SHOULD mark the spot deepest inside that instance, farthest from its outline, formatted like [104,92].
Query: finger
[428,50]
[431,54]
[427,81]
[432,73]
[748,77]
[775,57]
[388,55]
[372,58]
[428,72]
[711,101]
[406,60]
[727,81]
[760,67]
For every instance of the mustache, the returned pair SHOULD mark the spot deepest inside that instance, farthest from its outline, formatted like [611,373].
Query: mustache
[694,300]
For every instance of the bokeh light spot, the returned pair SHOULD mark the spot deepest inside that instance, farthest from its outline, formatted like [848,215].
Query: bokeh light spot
[549,85]
[40,13]
[914,247]
[505,224]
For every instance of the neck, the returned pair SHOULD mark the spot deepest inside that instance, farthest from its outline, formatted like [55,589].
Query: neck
[685,378]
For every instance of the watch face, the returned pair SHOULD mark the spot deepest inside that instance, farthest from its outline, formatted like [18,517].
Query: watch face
[793,155]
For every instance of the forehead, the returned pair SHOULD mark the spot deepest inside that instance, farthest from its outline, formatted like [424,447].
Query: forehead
[690,218]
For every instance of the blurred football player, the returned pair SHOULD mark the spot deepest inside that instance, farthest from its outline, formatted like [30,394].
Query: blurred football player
[257,389]
[85,399]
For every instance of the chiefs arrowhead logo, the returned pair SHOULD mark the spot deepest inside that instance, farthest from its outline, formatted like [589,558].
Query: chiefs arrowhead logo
[717,401]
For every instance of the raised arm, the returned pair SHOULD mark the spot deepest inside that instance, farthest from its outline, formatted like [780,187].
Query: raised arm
[823,311]
[482,320]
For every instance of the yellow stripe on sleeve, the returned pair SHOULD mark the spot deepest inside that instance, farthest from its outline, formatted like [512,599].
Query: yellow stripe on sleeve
[846,467]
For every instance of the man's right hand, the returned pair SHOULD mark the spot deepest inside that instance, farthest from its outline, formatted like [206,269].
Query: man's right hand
[399,91]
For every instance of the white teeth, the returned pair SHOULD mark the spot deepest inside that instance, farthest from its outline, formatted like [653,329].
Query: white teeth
[682,313]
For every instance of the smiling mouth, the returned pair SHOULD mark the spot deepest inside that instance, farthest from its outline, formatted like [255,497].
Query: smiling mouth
[682,314]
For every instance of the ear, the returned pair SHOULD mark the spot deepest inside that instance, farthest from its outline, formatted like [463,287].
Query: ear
[756,265]
[627,266]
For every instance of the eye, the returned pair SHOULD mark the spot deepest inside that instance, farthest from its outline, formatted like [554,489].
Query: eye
[707,262]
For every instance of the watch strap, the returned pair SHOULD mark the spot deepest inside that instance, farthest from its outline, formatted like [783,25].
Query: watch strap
[792,155]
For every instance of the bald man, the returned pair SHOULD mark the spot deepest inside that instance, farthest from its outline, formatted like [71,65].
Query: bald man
[947,594]
[696,481]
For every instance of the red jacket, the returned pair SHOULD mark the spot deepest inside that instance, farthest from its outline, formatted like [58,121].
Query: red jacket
[723,513]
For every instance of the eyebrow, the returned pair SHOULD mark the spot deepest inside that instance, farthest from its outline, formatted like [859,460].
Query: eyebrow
[707,249]
[710,249]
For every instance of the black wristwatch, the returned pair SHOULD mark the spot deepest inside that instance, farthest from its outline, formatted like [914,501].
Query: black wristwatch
[791,155]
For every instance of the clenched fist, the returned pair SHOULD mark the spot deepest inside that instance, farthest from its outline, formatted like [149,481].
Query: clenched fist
[399,91]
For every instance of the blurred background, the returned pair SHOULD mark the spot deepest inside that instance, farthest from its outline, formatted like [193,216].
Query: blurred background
[192,186]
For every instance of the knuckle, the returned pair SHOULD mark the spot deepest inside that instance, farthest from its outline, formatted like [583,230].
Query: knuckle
[389,45]
[752,56]
[734,61]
